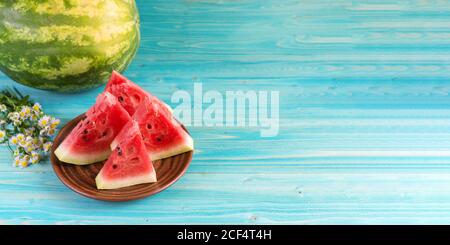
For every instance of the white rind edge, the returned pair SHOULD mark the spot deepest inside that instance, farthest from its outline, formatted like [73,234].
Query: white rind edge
[63,155]
[103,184]
[188,145]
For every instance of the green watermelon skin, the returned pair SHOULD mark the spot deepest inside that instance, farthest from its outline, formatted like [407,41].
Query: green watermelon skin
[69,45]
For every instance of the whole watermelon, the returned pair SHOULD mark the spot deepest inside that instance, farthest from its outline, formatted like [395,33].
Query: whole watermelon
[67,45]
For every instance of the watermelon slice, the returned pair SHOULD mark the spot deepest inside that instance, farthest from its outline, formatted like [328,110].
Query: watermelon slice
[162,134]
[90,140]
[129,163]
[129,94]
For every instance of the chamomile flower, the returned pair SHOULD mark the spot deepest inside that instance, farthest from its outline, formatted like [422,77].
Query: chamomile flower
[21,140]
[29,148]
[51,132]
[35,157]
[16,161]
[3,108]
[27,128]
[34,160]
[44,121]
[37,107]
[23,163]
[47,146]
[26,157]
[2,135]
[28,144]
[13,115]
[14,140]
[20,137]
[25,112]
[54,123]
[29,139]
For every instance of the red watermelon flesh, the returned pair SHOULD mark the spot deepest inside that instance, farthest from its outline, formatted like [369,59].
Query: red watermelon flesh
[162,134]
[128,164]
[90,140]
[129,94]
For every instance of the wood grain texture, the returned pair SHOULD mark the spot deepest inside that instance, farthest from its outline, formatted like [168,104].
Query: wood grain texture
[365,116]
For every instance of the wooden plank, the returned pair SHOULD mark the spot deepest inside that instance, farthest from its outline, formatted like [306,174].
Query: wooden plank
[364,116]
[295,197]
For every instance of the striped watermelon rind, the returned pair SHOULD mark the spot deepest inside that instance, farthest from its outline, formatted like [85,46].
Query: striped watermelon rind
[69,45]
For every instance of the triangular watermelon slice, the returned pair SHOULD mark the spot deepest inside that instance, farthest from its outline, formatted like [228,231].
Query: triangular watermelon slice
[162,134]
[129,94]
[90,140]
[129,163]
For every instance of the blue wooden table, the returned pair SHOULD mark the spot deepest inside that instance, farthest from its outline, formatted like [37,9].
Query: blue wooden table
[364,117]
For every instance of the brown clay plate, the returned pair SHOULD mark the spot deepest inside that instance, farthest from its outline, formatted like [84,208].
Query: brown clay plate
[81,179]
